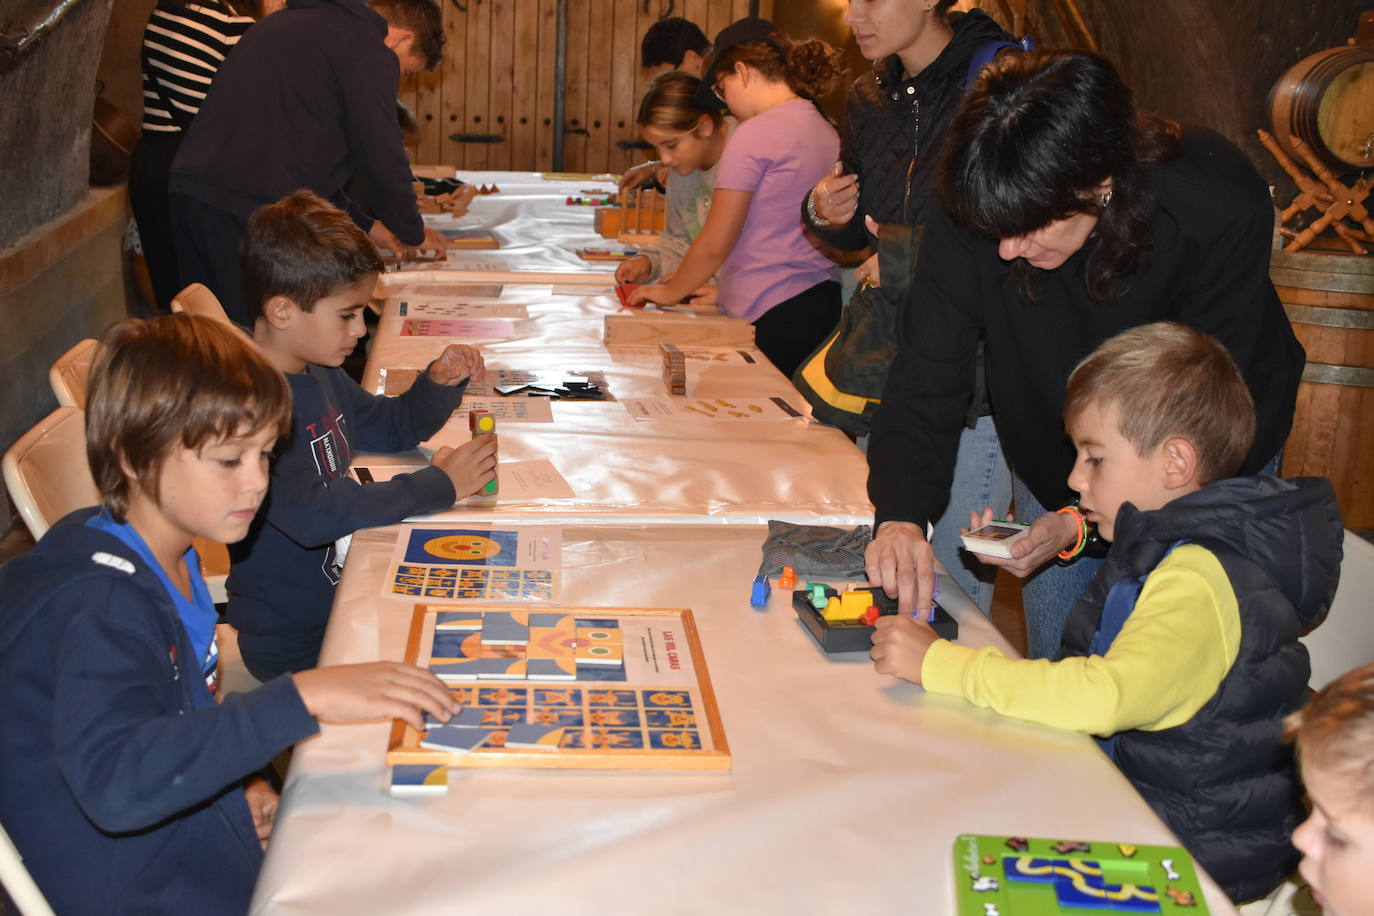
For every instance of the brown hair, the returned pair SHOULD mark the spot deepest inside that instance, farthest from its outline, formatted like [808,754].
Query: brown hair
[423,19]
[810,68]
[1335,730]
[1166,380]
[670,103]
[304,248]
[175,380]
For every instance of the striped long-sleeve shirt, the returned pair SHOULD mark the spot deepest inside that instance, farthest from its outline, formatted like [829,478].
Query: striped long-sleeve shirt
[183,50]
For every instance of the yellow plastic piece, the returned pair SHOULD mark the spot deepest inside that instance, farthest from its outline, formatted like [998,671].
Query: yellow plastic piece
[853,604]
[833,611]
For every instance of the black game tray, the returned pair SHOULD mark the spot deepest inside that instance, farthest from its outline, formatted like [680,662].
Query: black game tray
[857,637]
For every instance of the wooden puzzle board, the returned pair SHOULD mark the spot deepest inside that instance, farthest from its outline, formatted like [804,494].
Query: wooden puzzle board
[578,687]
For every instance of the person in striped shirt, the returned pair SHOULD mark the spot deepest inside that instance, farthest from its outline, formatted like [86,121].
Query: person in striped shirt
[184,45]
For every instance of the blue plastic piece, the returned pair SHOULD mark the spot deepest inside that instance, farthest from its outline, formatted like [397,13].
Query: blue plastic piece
[762,589]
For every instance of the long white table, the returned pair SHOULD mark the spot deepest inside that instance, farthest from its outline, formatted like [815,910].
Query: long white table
[847,788]
[846,792]
[640,471]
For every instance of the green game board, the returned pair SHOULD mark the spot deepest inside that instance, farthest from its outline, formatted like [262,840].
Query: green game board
[1020,876]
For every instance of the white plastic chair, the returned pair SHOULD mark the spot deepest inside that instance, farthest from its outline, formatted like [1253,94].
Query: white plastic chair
[19,884]
[1345,639]
[46,470]
[70,375]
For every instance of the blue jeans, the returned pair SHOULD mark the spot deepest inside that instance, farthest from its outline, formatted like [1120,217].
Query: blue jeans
[981,478]
[1048,593]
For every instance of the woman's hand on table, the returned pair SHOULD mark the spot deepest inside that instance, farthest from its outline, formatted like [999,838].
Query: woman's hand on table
[470,466]
[705,298]
[633,270]
[900,645]
[835,198]
[1049,534]
[901,561]
[434,245]
[457,363]
[375,690]
[262,802]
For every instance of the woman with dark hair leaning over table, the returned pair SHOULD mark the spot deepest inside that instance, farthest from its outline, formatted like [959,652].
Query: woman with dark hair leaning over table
[1069,219]
[896,117]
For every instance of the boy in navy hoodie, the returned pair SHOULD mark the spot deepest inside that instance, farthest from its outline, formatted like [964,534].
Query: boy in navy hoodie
[307,100]
[123,784]
[309,272]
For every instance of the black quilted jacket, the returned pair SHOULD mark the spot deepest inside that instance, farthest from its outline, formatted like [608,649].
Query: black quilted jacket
[894,129]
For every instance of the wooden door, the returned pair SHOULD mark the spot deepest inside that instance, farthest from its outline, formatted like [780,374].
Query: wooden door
[497,84]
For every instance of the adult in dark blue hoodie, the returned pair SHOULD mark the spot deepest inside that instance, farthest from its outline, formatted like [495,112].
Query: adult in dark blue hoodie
[121,780]
[307,100]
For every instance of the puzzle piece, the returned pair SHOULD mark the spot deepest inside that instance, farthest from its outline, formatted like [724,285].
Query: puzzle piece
[418,779]
[538,737]
[456,739]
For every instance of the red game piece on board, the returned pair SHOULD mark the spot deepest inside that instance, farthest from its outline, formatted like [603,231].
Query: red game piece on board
[870,616]
[624,291]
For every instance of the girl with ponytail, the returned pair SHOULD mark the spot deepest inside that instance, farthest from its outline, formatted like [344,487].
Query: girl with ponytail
[770,274]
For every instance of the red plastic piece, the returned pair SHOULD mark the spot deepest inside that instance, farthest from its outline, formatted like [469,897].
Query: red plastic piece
[870,616]
[624,291]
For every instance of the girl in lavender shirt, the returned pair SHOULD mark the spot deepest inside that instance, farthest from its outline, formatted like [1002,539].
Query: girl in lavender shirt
[770,274]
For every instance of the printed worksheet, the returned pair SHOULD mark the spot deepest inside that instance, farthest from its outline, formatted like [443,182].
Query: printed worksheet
[475,563]
[491,328]
[454,309]
[690,408]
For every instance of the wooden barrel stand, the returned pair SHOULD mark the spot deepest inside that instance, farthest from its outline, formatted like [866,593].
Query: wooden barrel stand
[1329,297]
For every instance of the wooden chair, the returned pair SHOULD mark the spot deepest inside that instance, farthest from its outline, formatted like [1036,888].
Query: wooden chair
[70,375]
[198,300]
[46,470]
[19,884]
[1345,640]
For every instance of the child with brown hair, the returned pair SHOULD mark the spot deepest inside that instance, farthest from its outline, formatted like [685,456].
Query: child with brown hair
[309,272]
[690,140]
[1182,655]
[1334,733]
[770,274]
[123,784]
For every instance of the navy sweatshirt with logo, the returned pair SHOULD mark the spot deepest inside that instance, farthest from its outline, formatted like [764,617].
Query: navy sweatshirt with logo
[121,780]
[281,586]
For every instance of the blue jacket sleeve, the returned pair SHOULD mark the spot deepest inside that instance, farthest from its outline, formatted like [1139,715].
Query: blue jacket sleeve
[313,511]
[915,432]
[383,424]
[130,756]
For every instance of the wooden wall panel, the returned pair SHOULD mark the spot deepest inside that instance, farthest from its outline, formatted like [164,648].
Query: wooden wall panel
[498,77]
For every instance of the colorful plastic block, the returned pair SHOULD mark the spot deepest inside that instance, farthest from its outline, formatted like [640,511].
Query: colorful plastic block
[758,597]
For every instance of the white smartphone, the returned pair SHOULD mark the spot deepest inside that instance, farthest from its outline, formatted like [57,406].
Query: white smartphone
[995,538]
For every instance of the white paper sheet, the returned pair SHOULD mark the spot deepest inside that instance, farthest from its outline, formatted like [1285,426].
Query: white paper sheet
[692,408]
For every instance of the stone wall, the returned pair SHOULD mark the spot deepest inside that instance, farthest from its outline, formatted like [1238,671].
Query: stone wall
[45,118]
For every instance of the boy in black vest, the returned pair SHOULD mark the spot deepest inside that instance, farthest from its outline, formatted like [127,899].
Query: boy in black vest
[1182,655]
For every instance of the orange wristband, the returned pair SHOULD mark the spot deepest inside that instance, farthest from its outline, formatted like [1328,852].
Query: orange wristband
[1082,532]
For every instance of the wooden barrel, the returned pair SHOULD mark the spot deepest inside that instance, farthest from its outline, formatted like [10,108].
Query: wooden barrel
[1329,297]
[1327,101]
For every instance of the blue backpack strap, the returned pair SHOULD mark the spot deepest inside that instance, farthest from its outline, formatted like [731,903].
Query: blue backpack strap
[984,54]
[1116,610]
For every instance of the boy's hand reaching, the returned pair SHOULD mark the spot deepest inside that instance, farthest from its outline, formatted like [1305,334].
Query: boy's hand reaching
[457,363]
[262,804]
[376,690]
[900,645]
[471,466]
[1049,534]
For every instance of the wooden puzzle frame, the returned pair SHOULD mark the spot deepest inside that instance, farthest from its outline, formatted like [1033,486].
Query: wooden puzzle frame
[713,753]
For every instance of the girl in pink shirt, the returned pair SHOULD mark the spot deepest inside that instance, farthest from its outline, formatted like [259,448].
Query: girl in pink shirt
[770,274]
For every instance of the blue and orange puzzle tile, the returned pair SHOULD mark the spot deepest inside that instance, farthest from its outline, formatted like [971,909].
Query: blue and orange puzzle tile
[674,740]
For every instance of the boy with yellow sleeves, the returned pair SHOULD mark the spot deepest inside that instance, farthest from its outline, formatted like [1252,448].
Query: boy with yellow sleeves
[1182,655]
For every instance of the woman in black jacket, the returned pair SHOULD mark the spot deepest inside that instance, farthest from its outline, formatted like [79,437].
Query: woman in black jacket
[895,121]
[1070,218]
